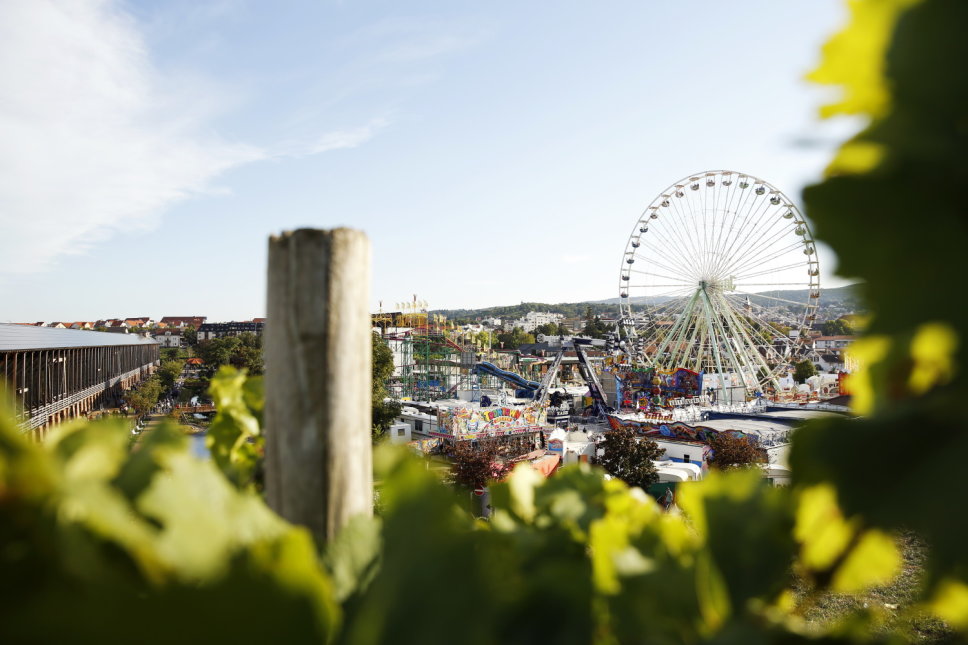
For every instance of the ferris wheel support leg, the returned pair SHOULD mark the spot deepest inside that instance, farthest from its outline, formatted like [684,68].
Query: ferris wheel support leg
[719,360]
[770,373]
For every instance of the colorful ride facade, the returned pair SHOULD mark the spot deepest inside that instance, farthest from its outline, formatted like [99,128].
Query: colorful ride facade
[464,423]
[649,389]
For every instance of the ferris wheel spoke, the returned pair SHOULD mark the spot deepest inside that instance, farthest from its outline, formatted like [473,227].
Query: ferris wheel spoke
[677,236]
[711,320]
[680,279]
[711,221]
[755,248]
[748,334]
[662,246]
[760,327]
[751,340]
[751,244]
[763,245]
[746,265]
[743,285]
[683,281]
[719,226]
[745,236]
[667,258]
[687,225]
[669,255]
[774,298]
[654,286]
[730,225]
[744,213]
[680,322]
[762,272]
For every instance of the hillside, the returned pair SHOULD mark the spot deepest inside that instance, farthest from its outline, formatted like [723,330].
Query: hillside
[833,303]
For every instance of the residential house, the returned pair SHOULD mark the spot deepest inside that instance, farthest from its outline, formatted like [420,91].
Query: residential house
[835,344]
[138,322]
[184,321]
[168,337]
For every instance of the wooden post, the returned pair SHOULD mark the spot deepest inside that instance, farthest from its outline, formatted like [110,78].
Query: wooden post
[318,379]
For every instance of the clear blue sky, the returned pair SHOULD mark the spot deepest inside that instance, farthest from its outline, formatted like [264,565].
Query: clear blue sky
[494,152]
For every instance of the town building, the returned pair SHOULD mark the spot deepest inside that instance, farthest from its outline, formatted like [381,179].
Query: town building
[208,331]
[183,321]
[838,344]
[168,337]
[54,374]
[532,320]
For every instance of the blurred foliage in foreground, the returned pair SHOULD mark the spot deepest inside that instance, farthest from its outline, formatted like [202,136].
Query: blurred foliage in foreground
[893,208]
[101,544]
[156,542]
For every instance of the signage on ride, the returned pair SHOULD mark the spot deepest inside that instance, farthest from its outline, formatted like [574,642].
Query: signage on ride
[472,422]
[556,445]
[692,400]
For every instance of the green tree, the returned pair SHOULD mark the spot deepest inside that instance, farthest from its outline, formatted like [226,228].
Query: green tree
[218,351]
[734,452]
[476,464]
[169,372]
[249,359]
[144,396]
[838,327]
[629,457]
[190,336]
[383,412]
[515,338]
[548,329]
[595,328]
[485,338]
[804,370]
[784,330]
[247,354]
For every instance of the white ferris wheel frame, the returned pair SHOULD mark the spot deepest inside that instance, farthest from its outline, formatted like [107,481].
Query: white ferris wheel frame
[700,242]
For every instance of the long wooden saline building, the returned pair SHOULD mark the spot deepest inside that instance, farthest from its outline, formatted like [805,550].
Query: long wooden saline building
[57,374]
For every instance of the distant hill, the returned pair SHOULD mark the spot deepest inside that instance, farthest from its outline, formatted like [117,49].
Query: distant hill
[833,303]
[838,296]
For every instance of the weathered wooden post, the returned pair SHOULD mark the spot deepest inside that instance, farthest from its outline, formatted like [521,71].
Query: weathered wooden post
[318,379]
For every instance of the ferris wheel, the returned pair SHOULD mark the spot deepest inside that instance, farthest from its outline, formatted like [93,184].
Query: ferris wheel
[720,276]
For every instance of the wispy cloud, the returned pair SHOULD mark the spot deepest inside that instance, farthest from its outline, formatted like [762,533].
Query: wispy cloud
[92,144]
[96,139]
[408,40]
[341,139]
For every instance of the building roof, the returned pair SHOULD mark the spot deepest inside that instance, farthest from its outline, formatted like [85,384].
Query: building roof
[195,321]
[209,326]
[798,415]
[19,337]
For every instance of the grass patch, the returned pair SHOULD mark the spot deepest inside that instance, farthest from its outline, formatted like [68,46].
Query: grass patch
[894,606]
